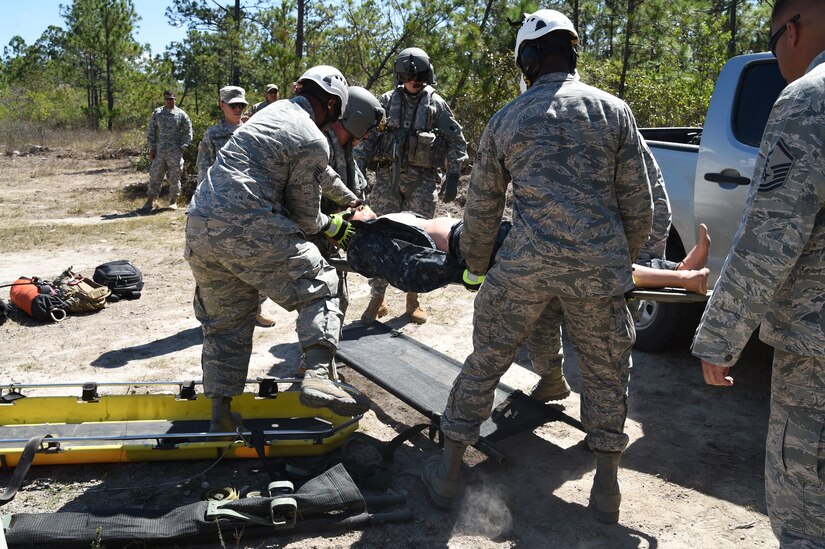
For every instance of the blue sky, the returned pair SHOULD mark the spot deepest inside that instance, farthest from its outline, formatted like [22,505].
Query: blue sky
[29,19]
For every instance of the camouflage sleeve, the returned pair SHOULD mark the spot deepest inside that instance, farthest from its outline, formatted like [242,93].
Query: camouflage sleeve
[302,194]
[633,193]
[783,203]
[152,132]
[485,204]
[206,156]
[333,188]
[185,130]
[656,243]
[450,129]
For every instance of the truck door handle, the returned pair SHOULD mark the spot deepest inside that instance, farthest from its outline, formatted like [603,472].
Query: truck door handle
[723,178]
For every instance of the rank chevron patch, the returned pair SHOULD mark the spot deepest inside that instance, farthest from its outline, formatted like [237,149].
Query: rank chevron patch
[777,167]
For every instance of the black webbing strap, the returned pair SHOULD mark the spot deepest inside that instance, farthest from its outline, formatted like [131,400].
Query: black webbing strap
[23,464]
[258,441]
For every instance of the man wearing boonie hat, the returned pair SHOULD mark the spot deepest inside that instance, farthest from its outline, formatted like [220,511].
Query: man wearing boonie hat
[271,96]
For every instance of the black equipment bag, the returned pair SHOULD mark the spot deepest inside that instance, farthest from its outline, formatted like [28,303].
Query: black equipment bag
[121,277]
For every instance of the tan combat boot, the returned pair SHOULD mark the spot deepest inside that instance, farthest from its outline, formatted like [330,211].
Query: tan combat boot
[441,475]
[223,420]
[262,320]
[376,309]
[606,495]
[319,391]
[551,386]
[414,310]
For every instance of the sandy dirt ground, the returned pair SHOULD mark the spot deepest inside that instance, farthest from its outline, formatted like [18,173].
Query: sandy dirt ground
[692,475]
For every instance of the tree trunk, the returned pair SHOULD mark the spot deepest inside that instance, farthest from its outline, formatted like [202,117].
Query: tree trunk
[299,31]
[236,69]
[732,23]
[631,10]
[466,72]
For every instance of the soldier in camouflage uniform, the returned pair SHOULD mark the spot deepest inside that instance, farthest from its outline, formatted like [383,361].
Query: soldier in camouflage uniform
[421,139]
[246,233]
[429,257]
[345,185]
[544,343]
[232,102]
[582,210]
[775,275]
[168,133]
[270,96]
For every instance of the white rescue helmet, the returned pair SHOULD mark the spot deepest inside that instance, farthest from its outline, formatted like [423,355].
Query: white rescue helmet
[540,23]
[364,112]
[331,81]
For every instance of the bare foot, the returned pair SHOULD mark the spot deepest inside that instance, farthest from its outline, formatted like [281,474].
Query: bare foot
[696,281]
[697,258]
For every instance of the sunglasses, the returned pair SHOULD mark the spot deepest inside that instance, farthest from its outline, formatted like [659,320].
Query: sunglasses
[168,98]
[416,76]
[778,34]
[236,106]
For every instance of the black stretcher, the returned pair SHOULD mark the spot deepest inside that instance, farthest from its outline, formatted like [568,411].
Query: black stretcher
[422,377]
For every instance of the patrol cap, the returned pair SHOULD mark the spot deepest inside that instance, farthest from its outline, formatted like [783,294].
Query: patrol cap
[271,88]
[232,95]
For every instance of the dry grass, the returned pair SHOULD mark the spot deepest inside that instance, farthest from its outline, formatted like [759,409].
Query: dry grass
[22,137]
[80,190]
[149,231]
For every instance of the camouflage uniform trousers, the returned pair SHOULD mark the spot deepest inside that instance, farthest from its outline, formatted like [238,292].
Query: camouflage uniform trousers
[231,265]
[795,451]
[167,162]
[602,335]
[544,342]
[329,251]
[416,191]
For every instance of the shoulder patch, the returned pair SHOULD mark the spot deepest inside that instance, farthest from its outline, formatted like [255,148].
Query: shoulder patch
[777,167]
[318,173]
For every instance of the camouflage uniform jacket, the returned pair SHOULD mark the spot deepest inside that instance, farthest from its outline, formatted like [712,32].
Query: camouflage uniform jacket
[775,270]
[258,106]
[168,129]
[656,243]
[582,205]
[268,173]
[214,138]
[406,114]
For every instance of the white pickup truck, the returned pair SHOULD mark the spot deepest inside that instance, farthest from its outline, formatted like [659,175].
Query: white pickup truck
[707,172]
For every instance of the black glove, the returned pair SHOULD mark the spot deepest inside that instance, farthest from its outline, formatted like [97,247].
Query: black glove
[450,187]
[471,281]
[340,230]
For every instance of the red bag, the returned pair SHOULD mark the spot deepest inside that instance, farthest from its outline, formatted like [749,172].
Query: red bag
[38,299]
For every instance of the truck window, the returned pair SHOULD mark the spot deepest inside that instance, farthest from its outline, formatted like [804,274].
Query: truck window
[759,86]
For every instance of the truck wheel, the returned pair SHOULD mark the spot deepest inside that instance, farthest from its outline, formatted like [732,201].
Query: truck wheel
[658,326]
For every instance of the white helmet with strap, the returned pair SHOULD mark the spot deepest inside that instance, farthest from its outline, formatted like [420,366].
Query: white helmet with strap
[536,25]
[330,80]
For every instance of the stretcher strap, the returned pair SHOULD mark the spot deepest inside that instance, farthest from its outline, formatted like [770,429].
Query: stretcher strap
[23,464]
